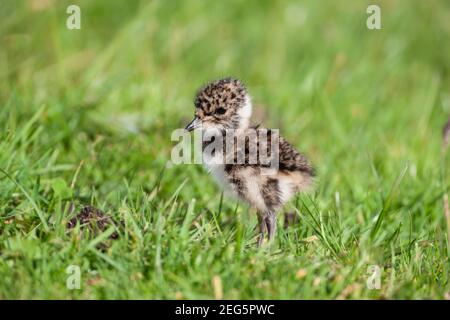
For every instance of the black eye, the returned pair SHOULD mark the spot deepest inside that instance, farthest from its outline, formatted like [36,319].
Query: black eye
[221,110]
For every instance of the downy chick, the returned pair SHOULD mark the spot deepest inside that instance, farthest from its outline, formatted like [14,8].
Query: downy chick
[224,106]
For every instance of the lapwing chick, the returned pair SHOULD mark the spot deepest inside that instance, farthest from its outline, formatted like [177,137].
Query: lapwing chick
[224,108]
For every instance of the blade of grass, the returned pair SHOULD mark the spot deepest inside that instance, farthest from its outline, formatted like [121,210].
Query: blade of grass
[27,195]
[387,203]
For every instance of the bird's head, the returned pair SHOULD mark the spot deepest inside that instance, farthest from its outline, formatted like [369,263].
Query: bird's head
[222,104]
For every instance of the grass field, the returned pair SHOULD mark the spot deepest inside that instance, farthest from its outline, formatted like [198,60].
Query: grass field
[86,118]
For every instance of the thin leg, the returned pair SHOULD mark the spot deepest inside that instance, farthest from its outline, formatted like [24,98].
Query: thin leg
[262,230]
[271,223]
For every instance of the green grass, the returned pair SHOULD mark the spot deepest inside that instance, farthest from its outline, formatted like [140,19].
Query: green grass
[86,117]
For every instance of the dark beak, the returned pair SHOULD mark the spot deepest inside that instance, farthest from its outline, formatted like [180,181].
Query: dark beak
[193,125]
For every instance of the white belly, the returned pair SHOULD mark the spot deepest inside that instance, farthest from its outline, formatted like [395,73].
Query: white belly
[218,173]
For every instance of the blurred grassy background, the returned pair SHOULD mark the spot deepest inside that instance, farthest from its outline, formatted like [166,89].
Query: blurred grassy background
[367,106]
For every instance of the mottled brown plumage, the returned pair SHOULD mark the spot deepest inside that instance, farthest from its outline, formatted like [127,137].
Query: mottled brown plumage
[218,102]
[223,107]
